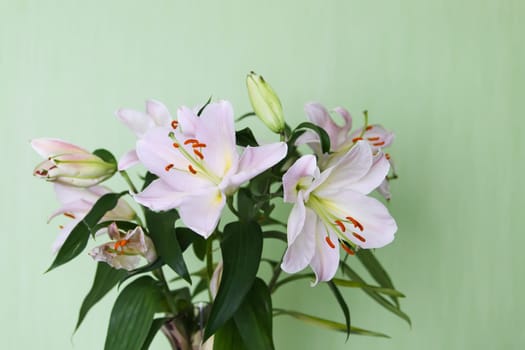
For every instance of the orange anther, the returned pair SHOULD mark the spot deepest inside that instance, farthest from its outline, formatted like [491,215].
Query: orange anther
[356,223]
[359,237]
[169,167]
[191,141]
[198,153]
[379,144]
[341,225]
[70,215]
[387,156]
[376,138]
[190,168]
[347,249]
[176,145]
[199,145]
[355,139]
[61,227]
[369,127]
[120,244]
[329,242]
[174,124]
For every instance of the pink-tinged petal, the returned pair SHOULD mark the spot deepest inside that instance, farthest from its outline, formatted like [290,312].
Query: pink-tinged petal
[299,174]
[157,153]
[375,226]
[113,231]
[296,219]
[311,139]
[128,160]
[73,209]
[104,253]
[159,196]
[302,249]
[136,121]
[122,211]
[376,135]
[64,233]
[159,112]
[48,147]
[325,261]
[375,176]
[216,279]
[349,169]
[318,115]
[346,117]
[255,160]
[68,194]
[201,210]
[188,121]
[217,131]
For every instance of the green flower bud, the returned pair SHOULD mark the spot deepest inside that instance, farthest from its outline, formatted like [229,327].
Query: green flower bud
[265,102]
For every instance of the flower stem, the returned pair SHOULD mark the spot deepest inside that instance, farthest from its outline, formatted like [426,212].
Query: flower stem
[209,264]
[276,273]
[126,177]
[166,290]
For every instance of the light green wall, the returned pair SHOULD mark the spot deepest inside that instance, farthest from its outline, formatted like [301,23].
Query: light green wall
[448,76]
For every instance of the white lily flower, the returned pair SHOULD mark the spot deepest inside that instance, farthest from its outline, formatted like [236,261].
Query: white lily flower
[76,202]
[332,207]
[126,249]
[69,164]
[198,165]
[157,114]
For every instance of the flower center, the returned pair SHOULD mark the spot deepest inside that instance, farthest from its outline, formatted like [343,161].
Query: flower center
[194,156]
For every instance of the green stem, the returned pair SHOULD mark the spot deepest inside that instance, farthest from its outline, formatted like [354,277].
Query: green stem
[365,113]
[229,202]
[276,273]
[209,264]
[166,289]
[126,177]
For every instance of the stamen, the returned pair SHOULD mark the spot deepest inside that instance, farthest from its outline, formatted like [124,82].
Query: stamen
[188,141]
[347,249]
[359,237]
[53,167]
[369,127]
[42,172]
[379,143]
[176,145]
[193,171]
[169,167]
[329,242]
[387,156]
[355,139]
[373,138]
[198,153]
[174,124]
[199,145]
[61,227]
[341,225]
[120,244]
[356,223]
[70,215]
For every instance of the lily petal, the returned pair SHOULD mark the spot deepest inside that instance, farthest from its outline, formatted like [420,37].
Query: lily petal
[136,121]
[128,160]
[375,176]
[255,160]
[302,171]
[302,249]
[48,147]
[201,211]
[159,196]
[296,219]
[325,261]
[159,112]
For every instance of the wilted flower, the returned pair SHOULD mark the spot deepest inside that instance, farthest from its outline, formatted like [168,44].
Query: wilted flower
[265,102]
[69,164]
[332,207]
[156,115]
[126,249]
[198,165]
[76,202]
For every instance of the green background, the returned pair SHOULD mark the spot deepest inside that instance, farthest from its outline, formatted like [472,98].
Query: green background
[447,76]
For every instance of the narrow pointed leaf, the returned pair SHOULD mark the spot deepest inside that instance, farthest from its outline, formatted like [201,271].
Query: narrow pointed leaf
[143,269]
[374,295]
[106,278]
[354,284]
[241,249]
[321,322]
[323,136]
[132,315]
[162,232]
[156,325]
[228,337]
[245,138]
[254,318]
[105,155]
[342,303]
[376,270]
[79,236]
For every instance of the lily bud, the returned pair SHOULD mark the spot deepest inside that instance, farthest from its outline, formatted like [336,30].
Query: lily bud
[69,164]
[265,102]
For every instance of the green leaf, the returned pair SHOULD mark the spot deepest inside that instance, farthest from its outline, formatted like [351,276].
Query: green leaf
[132,315]
[203,107]
[354,284]
[374,295]
[105,155]
[378,273]
[187,237]
[246,115]
[241,249]
[275,235]
[156,325]
[122,225]
[245,205]
[78,238]
[245,138]
[106,278]
[162,232]
[228,337]
[254,318]
[321,322]
[323,136]
[143,269]
[342,304]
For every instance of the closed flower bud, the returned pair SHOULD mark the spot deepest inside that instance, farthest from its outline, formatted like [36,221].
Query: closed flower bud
[69,164]
[265,102]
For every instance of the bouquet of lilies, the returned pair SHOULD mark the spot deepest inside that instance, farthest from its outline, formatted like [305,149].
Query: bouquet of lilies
[213,188]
